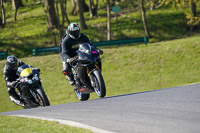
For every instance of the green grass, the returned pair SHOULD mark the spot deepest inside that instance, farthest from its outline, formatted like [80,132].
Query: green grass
[13,124]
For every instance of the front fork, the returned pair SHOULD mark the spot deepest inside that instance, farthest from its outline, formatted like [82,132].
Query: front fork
[92,80]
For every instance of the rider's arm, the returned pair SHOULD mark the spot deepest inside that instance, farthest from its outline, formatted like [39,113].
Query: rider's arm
[7,77]
[65,48]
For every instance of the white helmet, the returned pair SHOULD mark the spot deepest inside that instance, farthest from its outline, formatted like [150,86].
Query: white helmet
[74,31]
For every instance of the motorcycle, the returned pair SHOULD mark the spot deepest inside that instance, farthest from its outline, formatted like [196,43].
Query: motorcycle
[30,87]
[86,68]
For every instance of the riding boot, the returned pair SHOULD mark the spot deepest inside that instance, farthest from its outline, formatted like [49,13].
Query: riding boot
[68,73]
[14,97]
[70,79]
[17,101]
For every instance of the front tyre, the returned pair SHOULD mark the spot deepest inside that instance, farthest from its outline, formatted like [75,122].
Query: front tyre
[42,98]
[99,85]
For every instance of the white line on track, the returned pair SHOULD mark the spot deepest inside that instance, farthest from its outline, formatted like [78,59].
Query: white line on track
[70,123]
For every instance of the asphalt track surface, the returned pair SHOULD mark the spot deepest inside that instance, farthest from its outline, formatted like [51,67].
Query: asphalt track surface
[170,110]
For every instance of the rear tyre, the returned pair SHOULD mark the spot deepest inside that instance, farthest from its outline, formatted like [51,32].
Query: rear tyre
[99,86]
[43,100]
[81,97]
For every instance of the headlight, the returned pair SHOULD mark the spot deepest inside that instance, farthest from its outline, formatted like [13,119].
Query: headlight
[35,78]
[30,81]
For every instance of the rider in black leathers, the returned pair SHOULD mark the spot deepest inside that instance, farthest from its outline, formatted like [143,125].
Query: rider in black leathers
[69,45]
[10,77]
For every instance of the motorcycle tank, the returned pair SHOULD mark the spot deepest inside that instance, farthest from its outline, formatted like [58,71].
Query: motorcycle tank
[24,71]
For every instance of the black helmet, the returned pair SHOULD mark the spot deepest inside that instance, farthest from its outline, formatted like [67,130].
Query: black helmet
[12,61]
[74,31]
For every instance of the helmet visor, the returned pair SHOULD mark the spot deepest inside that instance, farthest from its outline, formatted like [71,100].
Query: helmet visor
[12,64]
[75,34]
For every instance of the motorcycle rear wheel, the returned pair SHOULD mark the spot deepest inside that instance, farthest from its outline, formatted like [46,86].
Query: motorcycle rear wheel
[80,96]
[43,100]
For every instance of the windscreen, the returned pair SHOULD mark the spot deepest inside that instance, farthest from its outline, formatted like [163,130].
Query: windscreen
[85,47]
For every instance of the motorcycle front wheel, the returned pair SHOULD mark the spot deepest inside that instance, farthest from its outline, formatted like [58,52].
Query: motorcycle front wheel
[42,98]
[99,86]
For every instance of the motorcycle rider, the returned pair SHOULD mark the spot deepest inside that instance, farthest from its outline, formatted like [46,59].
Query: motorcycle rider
[10,77]
[69,44]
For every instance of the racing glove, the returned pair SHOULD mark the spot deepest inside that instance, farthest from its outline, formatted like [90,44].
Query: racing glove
[69,60]
[11,84]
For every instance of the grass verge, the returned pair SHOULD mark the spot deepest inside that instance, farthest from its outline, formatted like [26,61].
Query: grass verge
[14,124]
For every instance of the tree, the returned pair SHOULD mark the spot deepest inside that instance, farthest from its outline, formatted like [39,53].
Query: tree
[3,16]
[60,26]
[81,14]
[108,20]
[52,19]
[146,29]
[93,8]
[193,16]
[65,12]
[75,6]
[15,5]
[194,20]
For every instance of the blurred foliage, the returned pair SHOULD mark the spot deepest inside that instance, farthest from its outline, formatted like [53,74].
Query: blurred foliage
[30,29]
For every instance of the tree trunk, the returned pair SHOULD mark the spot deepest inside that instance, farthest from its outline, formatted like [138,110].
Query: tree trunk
[153,5]
[16,4]
[108,21]
[193,14]
[51,14]
[1,25]
[65,12]
[0,21]
[20,3]
[90,8]
[58,17]
[93,8]
[74,7]
[85,6]
[62,12]
[81,14]
[3,14]
[146,29]
[61,25]
[15,17]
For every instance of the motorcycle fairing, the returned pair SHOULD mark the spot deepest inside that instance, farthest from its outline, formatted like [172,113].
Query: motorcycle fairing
[24,71]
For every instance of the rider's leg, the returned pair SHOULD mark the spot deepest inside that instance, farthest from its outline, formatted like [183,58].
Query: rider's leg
[68,73]
[14,97]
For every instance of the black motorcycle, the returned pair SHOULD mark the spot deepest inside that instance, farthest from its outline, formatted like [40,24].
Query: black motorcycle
[86,68]
[30,87]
